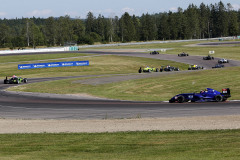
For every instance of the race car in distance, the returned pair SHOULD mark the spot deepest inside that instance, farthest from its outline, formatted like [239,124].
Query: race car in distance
[223,60]
[208,95]
[154,52]
[218,66]
[14,80]
[195,67]
[148,69]
[168,69]
[208,58]
[182,54]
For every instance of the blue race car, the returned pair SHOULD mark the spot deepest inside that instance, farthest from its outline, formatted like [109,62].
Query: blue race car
[208,95]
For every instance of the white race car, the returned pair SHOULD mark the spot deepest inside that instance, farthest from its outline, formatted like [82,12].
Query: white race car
[223,60]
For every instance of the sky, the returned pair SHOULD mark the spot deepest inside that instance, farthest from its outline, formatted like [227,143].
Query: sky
[12,9]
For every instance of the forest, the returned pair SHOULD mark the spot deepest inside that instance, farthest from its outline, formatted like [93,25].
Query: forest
[195,22]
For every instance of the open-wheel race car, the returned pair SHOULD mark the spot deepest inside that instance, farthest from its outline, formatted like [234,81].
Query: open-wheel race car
[208,95]
[148,69]
[14,80]
[208,58]
[154,52]
[169,68]
[195,67]
[223,60]
[183,54]
[218,66]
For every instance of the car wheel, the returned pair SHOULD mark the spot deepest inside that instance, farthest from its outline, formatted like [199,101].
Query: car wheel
[181,99]
[218,98]
[5,81]
[149,70]
[157,70]
[25,80]
[224,99]
[140,70]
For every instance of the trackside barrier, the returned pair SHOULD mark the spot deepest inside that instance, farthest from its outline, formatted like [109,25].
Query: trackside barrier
[73,48]
[53,64]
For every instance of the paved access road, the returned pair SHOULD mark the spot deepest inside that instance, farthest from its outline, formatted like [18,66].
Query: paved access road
[63,107]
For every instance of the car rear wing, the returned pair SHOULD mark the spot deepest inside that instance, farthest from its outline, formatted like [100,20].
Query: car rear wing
[226,92]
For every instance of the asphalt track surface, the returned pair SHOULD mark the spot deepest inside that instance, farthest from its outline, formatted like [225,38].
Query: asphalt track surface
[29,106]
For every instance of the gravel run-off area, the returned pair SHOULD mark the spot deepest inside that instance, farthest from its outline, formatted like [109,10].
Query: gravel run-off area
[119,125]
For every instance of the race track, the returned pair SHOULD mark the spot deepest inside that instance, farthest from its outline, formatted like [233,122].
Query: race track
[45,106]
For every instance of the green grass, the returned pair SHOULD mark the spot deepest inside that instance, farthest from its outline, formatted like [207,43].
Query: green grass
[37,57]
[105,64]
[170,145]
[150,89]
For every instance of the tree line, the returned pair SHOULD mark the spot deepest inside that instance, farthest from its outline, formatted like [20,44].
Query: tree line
[205,21]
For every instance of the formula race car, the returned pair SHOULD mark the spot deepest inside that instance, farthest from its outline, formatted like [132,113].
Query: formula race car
[208,58]
[148,69]
[14,80]
[208,95]
[182,54]
[218,66]
[195,67]
[223,60]
[168,69]
[154,52]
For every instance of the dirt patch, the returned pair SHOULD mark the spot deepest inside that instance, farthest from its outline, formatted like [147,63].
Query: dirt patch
[118,125]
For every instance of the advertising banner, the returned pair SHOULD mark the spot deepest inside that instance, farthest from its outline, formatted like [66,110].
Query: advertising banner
[53,64]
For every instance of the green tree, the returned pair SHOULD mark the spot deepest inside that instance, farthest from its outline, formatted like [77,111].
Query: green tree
[233,21]
[163,28]
[127,28]
[204,20]
[192,15]
[78,30]
[50,31]
[4,34]
[90,23]
[64,30]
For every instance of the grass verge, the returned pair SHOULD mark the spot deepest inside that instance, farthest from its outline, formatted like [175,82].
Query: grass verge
[150,89]
[99,65]
[170,145]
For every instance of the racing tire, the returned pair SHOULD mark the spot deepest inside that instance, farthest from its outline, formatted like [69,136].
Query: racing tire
[224,99]
[180,99]
[149,70]
[25,80]
[5,81]
[157,70]
[139,71]
[218,98]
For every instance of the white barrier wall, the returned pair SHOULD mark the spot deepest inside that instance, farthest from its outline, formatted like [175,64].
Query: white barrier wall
[32,50]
